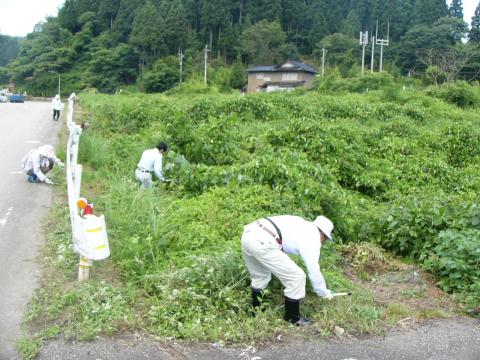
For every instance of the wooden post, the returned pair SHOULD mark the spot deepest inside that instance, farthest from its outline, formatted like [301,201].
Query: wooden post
[84,266]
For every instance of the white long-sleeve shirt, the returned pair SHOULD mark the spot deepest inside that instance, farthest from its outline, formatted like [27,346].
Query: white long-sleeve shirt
[301,237]
[57,104]
[36,160]
[151,160]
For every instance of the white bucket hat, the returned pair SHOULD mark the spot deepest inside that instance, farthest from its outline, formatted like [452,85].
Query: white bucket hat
[325,225]
[47,151]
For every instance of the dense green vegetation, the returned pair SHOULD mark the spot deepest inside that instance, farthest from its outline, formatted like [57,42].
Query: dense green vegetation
[107,45]
[398,168]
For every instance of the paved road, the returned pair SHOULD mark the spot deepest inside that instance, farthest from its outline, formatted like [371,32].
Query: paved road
[433,340]
[22,206]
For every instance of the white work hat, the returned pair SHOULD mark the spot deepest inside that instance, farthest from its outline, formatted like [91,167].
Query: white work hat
[47,151]
[325,225]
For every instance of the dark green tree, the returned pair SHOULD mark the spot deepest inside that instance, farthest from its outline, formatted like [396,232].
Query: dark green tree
[428,11]
[147,34]
[238,75]
[9,48]
[351,25]
[176,26]
[456,9]
[261,42]
[343,51]
[107,11]
[163,75]
[474,34]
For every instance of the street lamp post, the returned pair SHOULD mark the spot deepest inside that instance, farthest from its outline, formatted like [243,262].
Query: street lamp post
[54,72]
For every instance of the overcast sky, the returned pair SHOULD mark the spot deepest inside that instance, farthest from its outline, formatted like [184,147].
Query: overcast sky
[18,17]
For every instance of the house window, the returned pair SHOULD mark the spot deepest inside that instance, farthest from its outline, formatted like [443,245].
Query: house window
[289,76]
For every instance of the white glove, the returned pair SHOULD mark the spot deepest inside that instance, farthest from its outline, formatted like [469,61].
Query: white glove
[48,181]
[59,163]
[328,295]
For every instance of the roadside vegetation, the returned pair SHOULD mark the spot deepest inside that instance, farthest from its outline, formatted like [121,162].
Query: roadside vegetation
[396,170]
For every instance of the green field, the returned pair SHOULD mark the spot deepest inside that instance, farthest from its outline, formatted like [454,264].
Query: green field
[393,167]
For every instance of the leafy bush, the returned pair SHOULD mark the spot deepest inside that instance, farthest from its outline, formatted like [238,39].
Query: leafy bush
[460,94]
[398,173]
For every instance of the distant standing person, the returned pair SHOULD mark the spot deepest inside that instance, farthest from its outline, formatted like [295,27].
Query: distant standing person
[57,106]
[151,161]
[38,162]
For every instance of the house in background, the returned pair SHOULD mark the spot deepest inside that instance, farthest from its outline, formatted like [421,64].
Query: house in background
[286,76]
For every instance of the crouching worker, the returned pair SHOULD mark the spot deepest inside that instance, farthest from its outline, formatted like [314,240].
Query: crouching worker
[265,245]
[151,161]
[38,162]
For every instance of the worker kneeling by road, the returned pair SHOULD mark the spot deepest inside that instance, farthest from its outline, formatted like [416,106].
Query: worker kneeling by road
[265,245]
[38,162]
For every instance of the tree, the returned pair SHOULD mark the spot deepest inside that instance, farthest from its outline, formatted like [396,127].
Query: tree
[343,51]
[351,25]
[175,29]
[163,76]
[428,11]
[107,12]
[448,63]
[261,42]
[456,9]
[238,76]
[147,34]
[474,34]
[441,35]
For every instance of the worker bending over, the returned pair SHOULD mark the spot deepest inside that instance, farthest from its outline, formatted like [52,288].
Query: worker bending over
[151,161]
[265,245]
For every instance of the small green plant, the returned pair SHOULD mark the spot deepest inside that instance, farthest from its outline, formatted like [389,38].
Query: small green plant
[28,347]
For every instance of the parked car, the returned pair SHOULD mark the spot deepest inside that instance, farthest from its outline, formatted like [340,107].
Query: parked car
[19,98]
[3,98]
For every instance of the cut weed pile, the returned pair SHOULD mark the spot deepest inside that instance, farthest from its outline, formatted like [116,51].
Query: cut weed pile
[400,174]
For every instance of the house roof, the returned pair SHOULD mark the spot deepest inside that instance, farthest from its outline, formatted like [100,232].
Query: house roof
[284,67]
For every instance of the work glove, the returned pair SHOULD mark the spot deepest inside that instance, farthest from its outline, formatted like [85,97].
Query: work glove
[48,181]
[60,164]
[328,295]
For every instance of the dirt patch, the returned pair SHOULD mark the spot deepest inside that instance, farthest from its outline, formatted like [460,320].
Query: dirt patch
[404,290]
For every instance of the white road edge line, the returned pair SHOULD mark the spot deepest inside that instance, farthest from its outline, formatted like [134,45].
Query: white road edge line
[3,221]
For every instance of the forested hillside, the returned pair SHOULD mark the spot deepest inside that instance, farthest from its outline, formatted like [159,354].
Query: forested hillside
[107,44]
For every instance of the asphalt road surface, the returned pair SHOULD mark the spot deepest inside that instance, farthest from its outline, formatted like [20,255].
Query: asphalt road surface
[457,338]
[22,207]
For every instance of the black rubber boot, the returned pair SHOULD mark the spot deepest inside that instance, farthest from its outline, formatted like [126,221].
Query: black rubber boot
[257,296]
[292,313]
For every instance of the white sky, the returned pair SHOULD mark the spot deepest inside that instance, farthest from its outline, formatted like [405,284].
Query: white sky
[18,17]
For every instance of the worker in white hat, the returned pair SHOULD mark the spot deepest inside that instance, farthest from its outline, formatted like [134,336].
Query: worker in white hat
[38,162]
[265,245]
[57,106]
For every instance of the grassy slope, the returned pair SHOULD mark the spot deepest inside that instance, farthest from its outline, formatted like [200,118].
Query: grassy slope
[382,167]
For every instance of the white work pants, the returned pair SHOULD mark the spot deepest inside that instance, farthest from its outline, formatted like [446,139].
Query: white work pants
[264,257]
[144,178]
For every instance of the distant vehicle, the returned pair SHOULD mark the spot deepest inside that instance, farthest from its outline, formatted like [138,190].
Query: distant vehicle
[3,98]
[19,98]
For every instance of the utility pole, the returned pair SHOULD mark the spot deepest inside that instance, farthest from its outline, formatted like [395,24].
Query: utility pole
[205,52]
[372,60]
[363,43]
[323,61]
[382,43]
[180,59]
